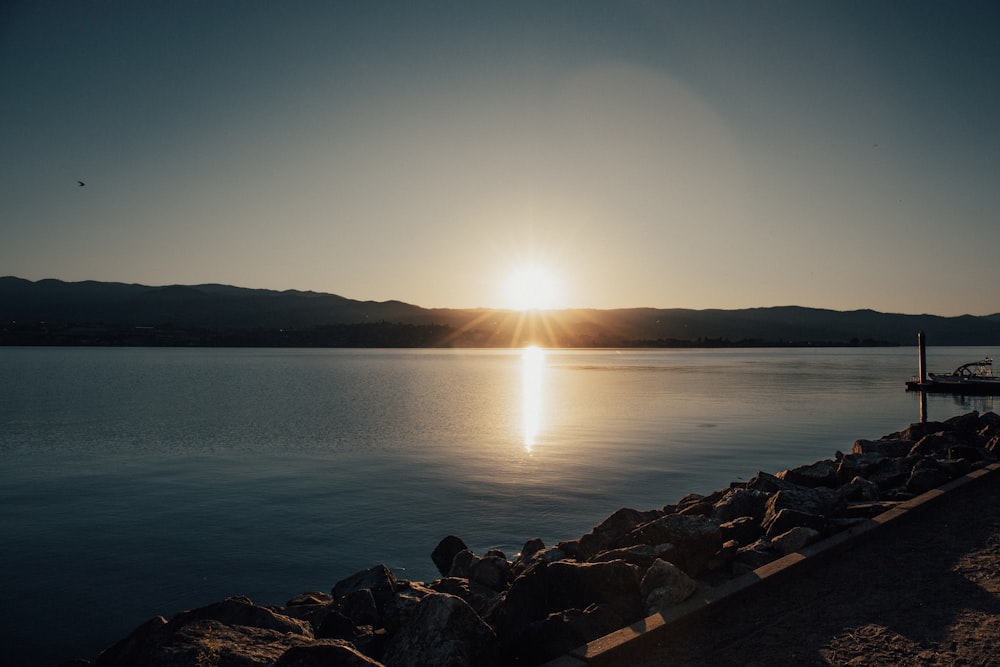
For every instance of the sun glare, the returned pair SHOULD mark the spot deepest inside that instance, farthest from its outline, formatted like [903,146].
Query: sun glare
[531,288]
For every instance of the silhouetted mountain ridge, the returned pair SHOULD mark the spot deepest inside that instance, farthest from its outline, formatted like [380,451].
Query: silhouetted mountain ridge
[315,318]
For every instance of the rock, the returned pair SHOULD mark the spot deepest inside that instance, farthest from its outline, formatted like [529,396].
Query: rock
[400,609]
[330,653]
[335,625]
[892,473]
[697,539]
[821,473]
[926,475]
[370,641]
[494,572]
[804,507]
[859,489]
[444,631]
[785,519]
[640,555]
[361,608]
[663,585]
[937,444]
[752,556]
[202,642]
[240,611]
[769,483]
[794,539]
[571,548]
[822,501]
[740,502]
[444,553]
[743,530]
[482,600]
[555,587]
[530,548]
[609,533]
[313,614]
[311,598]
[858,465]
[546,555]
[461,564]
[892,447]
[967,423]
[966,452]
[561,632]
[378,579]
[701,508]
[918,430]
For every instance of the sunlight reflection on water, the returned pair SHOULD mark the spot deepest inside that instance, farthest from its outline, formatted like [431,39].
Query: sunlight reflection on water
[532,397]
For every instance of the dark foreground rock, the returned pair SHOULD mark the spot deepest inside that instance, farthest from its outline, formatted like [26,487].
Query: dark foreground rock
[490,610]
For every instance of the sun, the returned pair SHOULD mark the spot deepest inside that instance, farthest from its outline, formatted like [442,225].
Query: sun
[531,287]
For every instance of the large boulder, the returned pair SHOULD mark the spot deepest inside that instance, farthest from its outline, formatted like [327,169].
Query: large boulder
[967,423]
[609,533]
[640,555]
[663,585]
[562,585]
[241,611]
[937,444]
[379,581]
[892,447]
[821,473]
[768,483]
[739,502]
[444,553]
[561,632]
[743,530]
[927,474]
[859,489]
[442,631]
[328,653]
[204,642]
[493,572]
[697,539]
[820,501]
[794,539]
[858,465]
[918,430]
[482,600]
[752,556]
[785,519]
[892,473]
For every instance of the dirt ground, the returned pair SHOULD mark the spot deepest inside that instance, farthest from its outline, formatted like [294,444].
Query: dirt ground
[925,592]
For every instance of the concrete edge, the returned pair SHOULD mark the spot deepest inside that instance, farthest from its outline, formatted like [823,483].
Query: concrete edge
[602,650]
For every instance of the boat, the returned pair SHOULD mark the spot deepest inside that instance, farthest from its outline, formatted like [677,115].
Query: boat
[975,377]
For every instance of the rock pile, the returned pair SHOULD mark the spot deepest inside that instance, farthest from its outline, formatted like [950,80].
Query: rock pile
[490,609]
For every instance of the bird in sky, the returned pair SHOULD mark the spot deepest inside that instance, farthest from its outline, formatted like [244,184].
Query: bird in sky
[80,183]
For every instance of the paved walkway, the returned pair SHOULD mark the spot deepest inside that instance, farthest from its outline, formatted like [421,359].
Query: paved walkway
[923,591]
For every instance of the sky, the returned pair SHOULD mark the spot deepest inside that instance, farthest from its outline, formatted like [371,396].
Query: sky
[839,155]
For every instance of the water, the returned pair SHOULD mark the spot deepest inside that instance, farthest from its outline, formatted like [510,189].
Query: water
[138,482]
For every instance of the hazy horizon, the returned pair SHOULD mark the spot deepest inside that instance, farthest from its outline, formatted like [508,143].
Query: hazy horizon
[709,155]
[497,308]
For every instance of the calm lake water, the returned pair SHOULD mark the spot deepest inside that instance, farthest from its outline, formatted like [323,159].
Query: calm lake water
[138,482]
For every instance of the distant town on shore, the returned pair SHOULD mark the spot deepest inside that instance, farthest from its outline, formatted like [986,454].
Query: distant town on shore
[53,312]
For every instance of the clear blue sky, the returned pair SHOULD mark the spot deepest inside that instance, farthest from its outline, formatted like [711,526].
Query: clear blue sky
[668,154]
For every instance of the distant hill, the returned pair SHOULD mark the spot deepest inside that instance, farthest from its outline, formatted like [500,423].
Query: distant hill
[57,312]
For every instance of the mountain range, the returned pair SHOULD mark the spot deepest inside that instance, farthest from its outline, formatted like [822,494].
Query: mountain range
[56,312]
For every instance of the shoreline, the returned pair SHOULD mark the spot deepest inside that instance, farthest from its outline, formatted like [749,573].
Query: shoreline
[547,602]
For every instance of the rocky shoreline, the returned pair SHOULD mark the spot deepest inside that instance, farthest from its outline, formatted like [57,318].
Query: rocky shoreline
[490,609]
